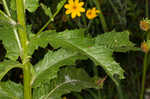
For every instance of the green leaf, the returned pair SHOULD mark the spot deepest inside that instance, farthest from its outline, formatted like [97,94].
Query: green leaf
[7,65]
[60,4]
[117,41]
[11,90]
[69,38]
[40,41]
[13,4]
[8,37]
[31,5]
[46,9]
[5,19]
[49,66]
[101,55]
[69,79]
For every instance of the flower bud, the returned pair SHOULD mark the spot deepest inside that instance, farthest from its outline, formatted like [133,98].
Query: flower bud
[145,47]
[145,24]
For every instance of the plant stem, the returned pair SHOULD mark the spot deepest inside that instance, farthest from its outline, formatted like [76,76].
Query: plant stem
[84,20]
[102,19]
[6,7]
[24,54]
[99,94]
[92,93]
[47,23]
[145,64]
[52,18]
[144,76]
[146,6]
[120,92]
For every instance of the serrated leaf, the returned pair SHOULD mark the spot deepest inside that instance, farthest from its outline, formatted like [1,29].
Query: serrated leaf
[68,80]
[103,56]
[74,39]
[46,9]
[11,90]
[49,66]
[9,40]
[117,41]
[7,65]
[40,41]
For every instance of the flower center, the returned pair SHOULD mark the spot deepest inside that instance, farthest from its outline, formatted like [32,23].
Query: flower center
[90,13]
[74,7]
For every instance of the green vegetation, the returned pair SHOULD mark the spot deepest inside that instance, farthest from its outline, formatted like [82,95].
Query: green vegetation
[74,49]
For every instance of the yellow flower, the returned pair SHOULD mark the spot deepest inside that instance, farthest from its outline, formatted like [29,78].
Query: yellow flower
[92,13]
[74,7]
[145,25]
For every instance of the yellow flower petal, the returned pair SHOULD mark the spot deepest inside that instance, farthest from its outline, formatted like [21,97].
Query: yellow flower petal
[70,1]
[76,1]
[81,3]
[92,13]
[73,15]
[68,11]
[82,10]
[67,6]
[74,7]
[94,9]
[97,11]
[79,14]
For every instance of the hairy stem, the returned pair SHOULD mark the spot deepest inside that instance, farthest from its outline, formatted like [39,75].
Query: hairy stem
[24,54]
